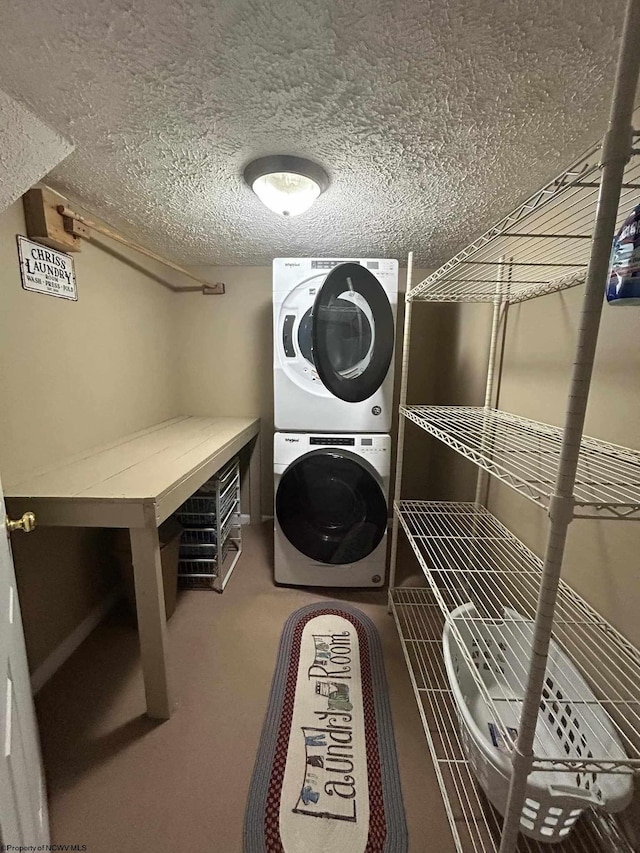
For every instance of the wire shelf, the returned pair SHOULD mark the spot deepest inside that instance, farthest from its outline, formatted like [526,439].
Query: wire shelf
[475,825]
[544,243]
[205,574]
[524,454]
[466,553]
[208,550]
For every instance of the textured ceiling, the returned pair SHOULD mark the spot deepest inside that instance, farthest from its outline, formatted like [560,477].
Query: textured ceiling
[432,117]
[28,149]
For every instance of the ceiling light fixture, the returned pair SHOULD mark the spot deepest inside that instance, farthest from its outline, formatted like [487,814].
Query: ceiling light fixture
[285,184]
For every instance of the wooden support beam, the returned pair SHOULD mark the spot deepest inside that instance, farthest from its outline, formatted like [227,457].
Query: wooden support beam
[45,224]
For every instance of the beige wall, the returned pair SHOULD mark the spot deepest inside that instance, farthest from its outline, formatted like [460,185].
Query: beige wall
[225,356]
[602,559]
[460,379]
[75,375]
[127,354]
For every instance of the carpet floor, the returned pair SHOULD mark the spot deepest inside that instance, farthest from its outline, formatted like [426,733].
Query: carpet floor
[121,783]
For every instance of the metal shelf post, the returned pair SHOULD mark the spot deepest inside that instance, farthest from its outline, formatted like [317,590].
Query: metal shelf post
[616,152]
[401,427]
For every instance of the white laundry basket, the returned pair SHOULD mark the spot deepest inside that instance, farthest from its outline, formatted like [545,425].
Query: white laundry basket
[566,728]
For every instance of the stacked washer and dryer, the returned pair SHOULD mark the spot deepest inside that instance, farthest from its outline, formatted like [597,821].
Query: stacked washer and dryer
[334,330]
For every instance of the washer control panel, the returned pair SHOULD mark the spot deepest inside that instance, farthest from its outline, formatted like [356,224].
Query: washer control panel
[333,440]
[374,444]
[374,447]
[364,443]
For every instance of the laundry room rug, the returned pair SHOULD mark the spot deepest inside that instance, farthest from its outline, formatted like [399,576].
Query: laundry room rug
[326,775]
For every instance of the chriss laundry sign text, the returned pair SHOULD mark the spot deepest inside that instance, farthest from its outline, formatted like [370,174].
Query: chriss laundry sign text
[45,270]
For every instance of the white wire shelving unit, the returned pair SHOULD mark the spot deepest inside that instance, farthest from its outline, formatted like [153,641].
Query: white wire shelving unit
[525,455]
[559,238]
[547,240]
[476,826]
[459,545]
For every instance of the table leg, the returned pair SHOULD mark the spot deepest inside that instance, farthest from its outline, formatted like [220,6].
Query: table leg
[152,627]
[255,481]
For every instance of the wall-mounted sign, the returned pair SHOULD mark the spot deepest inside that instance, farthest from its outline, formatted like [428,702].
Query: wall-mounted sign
[46,270]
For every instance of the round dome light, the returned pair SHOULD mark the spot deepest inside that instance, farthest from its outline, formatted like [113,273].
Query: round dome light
[285,184]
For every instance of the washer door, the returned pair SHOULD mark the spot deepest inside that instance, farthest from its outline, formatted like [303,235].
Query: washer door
[352,333]
[331,508]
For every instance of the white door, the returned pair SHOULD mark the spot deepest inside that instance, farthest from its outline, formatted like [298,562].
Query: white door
[23,803]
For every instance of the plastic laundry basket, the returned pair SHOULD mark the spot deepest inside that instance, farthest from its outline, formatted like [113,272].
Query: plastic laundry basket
[566,727]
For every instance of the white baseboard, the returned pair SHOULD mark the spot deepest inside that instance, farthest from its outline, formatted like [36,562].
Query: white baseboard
[68,646]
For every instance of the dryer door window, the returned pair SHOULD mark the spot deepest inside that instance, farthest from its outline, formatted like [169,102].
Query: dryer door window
[331,508]
[350,350]
[352,333]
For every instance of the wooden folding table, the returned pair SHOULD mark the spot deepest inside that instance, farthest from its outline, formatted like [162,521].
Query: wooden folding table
[136,483]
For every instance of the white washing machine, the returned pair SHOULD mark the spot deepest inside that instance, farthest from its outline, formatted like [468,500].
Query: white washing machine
[334,330]
[331,508]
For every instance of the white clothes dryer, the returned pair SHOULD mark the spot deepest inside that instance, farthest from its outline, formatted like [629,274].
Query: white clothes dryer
[334,330]
[331,509]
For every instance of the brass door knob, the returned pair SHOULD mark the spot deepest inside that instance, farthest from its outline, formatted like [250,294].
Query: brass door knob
[27,523]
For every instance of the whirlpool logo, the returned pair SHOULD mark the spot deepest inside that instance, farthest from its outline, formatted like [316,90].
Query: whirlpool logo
[293,440]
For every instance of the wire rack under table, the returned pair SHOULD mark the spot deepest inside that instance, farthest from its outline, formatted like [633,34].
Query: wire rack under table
[211,542]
